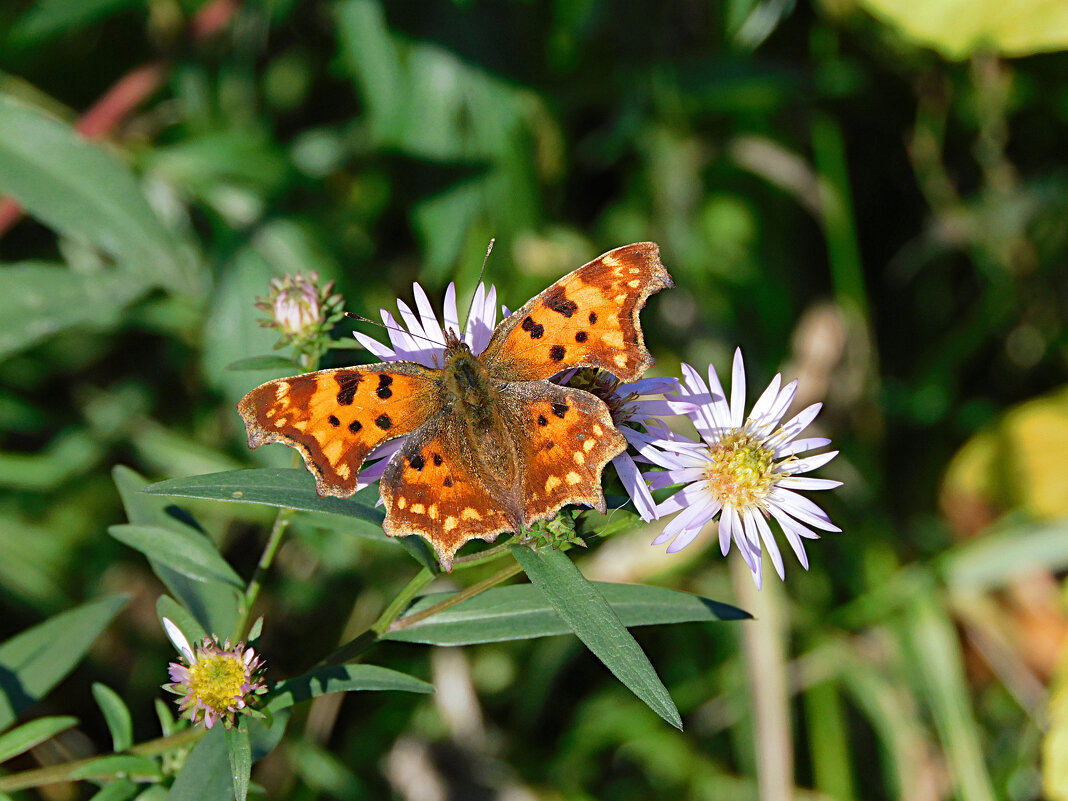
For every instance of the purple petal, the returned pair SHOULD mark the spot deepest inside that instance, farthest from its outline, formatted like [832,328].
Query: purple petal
[770,546]
[794,532]
[375,347]
[765,402]
[738,391]
[802,508]
[450,314]
[427,316]
[808,464]
[634,485]
[687,496]
[800,446]
[806,483]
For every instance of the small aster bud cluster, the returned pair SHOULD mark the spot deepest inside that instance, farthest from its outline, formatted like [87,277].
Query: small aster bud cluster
[302,311]
[217,681]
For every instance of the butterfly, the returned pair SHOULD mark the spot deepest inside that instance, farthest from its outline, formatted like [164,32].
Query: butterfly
[492,445]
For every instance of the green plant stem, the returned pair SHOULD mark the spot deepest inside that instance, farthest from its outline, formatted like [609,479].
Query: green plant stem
[422,578]
[452,600]
[54,774]
[274,540]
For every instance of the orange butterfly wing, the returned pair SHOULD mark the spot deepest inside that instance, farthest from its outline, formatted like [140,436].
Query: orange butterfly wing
[434,487]
[336,417]
[589,318]
[564,438]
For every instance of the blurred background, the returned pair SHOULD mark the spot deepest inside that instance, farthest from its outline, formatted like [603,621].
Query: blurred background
[869,195]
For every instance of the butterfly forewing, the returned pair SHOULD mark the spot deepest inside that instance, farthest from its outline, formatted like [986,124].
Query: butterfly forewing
[335,418]
[589,318]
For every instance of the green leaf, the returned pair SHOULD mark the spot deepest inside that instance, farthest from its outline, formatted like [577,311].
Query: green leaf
[106,767]
[340,679]
[588,614]
[206,774]
[262,363]
[213,604]
[26,736]
[118,790]
[240,755]
[934,657]
[285,488]
[34,661]
[49,18]
[154,793]
[187,552]
[116,714]
[40,300]
[522,612]
[58,177]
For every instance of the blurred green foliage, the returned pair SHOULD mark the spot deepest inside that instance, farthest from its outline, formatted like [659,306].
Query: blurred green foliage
[834,197]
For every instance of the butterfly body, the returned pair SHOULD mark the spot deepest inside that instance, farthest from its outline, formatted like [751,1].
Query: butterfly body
[491,443]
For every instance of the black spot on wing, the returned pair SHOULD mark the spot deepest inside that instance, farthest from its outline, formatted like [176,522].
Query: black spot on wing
[383,421]
[557,301]
[437,459]
[560,409]
[355,426]
[448,481]
[333,421]
[593,317]
[543,420]
[347,383]
[557,353]
[383,390]
[417,462]
[536,330]
[581,336]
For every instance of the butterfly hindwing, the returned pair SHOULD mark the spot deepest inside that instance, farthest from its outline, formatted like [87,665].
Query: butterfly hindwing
[335,418]
[432,488]
[564,437]
[589,318]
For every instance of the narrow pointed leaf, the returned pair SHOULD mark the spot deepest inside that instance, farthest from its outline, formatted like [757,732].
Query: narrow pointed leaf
[342,678]
[190,553]
[240,755]
[18,741]
[522,612]
[589,615]
[116,714]
[285,488]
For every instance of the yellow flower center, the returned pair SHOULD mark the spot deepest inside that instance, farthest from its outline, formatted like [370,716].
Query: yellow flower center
[217,680]
[740,471]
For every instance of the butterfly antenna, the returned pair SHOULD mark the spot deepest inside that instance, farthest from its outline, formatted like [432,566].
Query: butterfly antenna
[412,334]
[489,250]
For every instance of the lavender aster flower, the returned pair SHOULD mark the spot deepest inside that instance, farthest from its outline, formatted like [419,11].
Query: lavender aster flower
[745,470]
[216,682]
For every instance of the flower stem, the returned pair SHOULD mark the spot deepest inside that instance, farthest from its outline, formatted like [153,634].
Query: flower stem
[422,578]
[274,541]
[452,600]
[53,774]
